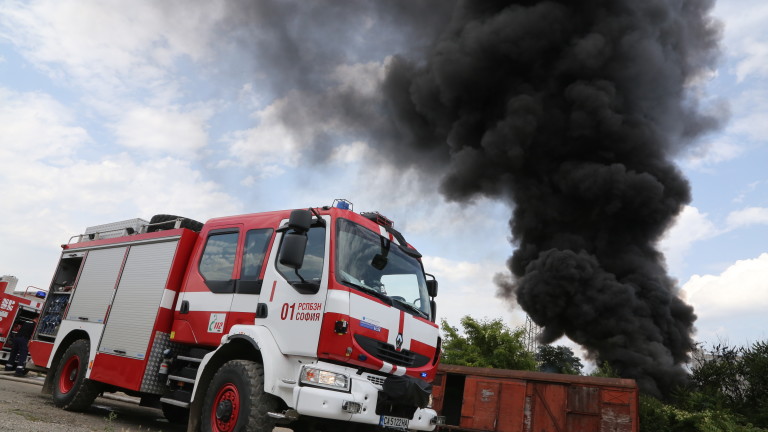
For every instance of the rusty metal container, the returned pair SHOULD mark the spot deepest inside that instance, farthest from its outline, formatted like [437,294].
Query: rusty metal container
[499,400]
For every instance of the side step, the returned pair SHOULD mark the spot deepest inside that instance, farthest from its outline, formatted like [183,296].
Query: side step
[182,378]
[178,403]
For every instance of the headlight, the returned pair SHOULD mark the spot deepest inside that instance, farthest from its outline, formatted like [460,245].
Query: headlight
[323,378]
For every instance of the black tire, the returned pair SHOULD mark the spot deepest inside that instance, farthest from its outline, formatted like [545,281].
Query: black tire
[71,389]
[175,414]
[187,223]
[236,401]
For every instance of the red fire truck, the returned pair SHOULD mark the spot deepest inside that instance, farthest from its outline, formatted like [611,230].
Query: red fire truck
[321,319]
[14,311]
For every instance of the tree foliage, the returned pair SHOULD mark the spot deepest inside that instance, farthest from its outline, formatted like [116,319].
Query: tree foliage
[733,379]
[728,392]
[656,416]
[486,343]
[558,359]
[604,370]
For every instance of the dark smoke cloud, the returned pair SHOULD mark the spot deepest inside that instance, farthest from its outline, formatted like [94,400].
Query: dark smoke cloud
[298,42]
[569,111]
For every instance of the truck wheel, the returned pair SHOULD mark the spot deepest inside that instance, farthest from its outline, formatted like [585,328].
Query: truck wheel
[187,223]
[71,389]
[175,414]
[236,401]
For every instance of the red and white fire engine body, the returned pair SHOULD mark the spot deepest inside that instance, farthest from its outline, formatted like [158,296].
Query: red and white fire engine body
[317,318]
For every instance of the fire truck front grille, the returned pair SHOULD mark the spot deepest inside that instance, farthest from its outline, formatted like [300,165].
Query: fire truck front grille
[375,379]
[388,353]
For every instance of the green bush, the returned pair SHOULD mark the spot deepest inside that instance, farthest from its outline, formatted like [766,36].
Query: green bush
[486,343]
[656,416]
[734,379]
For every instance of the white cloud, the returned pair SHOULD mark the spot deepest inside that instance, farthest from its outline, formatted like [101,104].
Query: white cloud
[350,153]
[116,187]
[752,124]
[35,126]
[690,226]
[749,189]
[299,123]
[754,59]
[693,226]
[745,35]
[713,152]
[105,45]
[467,288]
[740,290]
[164,130]
[269,145]
[748,216]
[50,192]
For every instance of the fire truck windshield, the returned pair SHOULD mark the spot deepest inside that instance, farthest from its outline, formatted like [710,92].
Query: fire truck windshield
[371,263]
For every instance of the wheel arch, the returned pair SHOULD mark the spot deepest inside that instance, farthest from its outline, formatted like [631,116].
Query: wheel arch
[56,358]
[237,346]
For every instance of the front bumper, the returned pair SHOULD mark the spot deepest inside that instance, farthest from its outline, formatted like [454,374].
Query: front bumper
[358,405]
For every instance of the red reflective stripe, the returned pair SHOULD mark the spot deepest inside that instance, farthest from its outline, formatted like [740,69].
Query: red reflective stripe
[272,296]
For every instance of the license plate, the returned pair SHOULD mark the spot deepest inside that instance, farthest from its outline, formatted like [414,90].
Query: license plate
[398,423]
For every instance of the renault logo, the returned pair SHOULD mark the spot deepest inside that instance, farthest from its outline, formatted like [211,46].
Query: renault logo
[399,341]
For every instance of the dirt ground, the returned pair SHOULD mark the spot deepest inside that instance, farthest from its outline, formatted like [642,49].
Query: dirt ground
[24,409]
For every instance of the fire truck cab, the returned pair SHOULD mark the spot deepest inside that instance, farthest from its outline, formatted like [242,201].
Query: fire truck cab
[320,319]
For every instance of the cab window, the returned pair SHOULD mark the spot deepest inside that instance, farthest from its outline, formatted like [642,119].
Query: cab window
[256,244]
[307,278]
[218,260]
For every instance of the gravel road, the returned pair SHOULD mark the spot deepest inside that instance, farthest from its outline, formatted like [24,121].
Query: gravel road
[24,409]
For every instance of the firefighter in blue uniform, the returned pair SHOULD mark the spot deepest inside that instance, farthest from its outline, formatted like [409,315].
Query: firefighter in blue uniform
[20,349]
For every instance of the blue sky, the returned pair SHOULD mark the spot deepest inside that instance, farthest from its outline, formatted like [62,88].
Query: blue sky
[111,112]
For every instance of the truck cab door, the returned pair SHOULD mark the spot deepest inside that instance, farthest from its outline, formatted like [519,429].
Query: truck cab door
[294,300]
[248,285]
[209,288]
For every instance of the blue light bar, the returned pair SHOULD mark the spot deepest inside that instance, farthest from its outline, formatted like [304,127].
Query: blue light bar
[342,204]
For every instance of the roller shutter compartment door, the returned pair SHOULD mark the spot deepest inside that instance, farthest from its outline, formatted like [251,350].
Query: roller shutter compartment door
[96,285]
[134,311]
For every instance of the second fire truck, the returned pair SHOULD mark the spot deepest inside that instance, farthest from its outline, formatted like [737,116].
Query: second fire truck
[16,308]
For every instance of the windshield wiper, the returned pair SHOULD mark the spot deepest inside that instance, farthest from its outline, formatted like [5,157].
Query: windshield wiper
[411,307]
[369,290]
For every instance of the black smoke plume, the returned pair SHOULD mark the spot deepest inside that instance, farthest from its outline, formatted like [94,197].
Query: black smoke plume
[571,111]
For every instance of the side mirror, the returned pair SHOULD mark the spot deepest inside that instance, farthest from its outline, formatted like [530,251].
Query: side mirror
[300,220]
[432,287]
[292,249]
